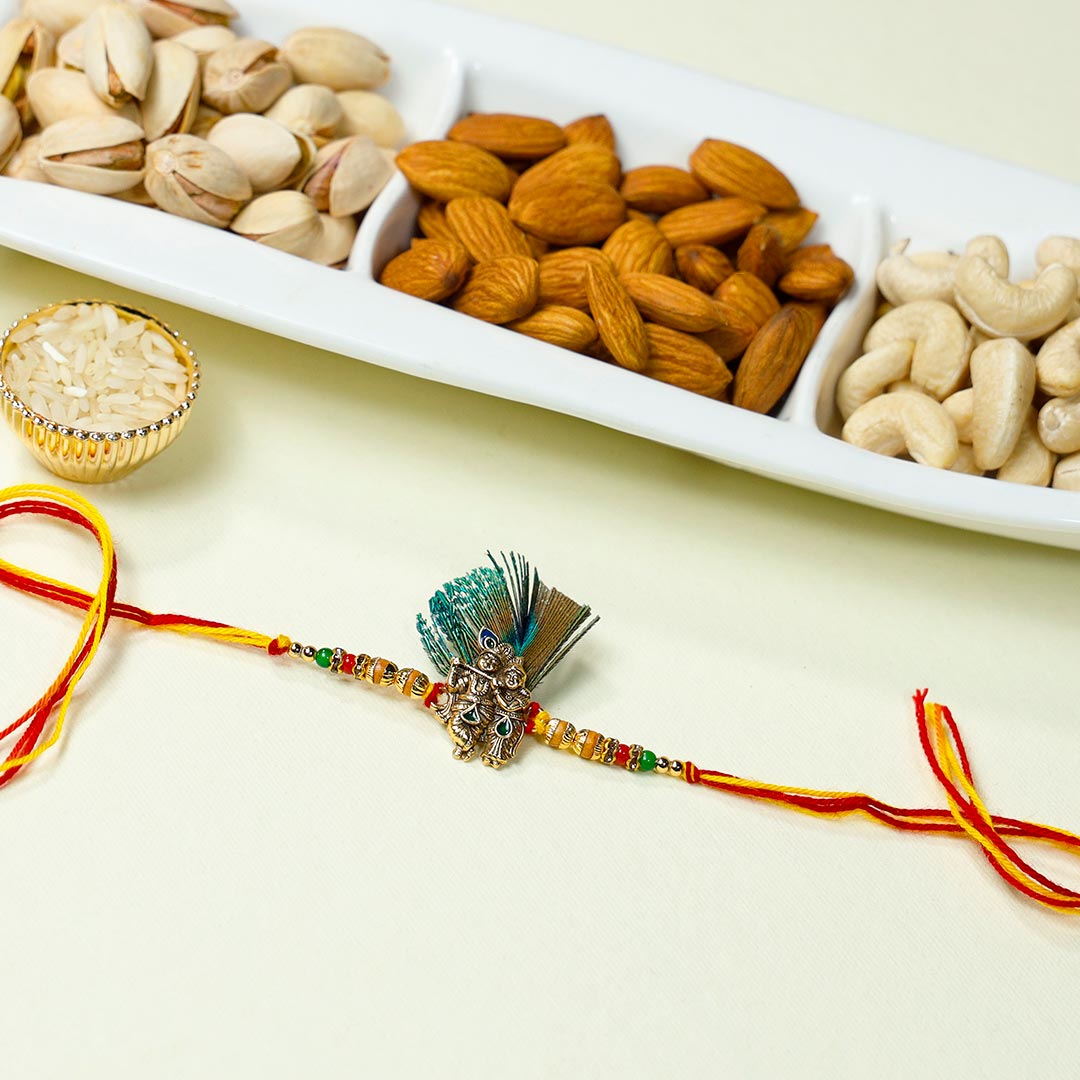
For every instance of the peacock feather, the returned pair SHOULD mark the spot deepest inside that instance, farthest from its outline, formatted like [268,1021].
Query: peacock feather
[509,600]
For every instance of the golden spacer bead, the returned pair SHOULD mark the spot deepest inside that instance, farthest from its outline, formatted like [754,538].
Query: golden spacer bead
[635,757]
[607,750]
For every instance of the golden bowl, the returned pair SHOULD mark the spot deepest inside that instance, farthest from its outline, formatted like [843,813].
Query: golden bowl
[93,457]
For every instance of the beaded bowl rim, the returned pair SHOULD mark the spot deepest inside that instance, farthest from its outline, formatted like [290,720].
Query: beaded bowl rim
[144,430]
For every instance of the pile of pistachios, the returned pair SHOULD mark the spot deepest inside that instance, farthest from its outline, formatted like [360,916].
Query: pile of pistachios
[162,103]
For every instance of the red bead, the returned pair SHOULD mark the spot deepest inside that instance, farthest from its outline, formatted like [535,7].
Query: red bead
[348,664]
[534,710]
[530,725]
[622,755]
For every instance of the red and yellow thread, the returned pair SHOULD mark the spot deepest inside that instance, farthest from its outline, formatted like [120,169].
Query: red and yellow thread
[966,814]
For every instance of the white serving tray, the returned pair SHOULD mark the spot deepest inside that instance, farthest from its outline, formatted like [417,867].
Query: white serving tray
[869,184]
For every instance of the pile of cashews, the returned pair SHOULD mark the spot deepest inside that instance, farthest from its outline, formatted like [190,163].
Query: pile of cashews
[967,371]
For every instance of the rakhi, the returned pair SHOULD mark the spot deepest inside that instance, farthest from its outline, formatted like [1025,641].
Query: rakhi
[493,635]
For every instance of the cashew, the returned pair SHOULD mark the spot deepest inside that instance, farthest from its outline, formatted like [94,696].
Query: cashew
[940,359]
[960,407]
[1059,424]
[926,275]
[904,386]
[1030,462]
[1058,362]
[871,373]
[993,250]
[893,423]
[999,308]
[1059,249]
[1003,381]
[965,462]
[1067,473]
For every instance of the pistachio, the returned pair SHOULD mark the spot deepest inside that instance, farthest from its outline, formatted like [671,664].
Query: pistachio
[24,164]
[167,18]
[60,94]
[309,110]
[59,16]
[335,242]
[205,119]
[286,220]
[10,132]
[190,178]
[71,47]
[370,114]
[117,54]
[336,58]
[203,41]
[347,175]
[172,96]
[137,195]
[246,76]
[267,153]
[25,47]
[100,154]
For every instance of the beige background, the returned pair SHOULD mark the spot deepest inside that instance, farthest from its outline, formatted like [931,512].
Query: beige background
[237,868]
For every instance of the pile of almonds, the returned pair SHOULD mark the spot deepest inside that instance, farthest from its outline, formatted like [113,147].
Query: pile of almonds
[966,370]
[679,275]
[283,146]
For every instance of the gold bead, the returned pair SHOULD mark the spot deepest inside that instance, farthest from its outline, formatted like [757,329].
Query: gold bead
[308,653]
[635,757]
[676,768]
[663,765]
[363,662]
[585,743]
[607,752]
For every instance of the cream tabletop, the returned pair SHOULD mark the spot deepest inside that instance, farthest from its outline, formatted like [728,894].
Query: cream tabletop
[235,868]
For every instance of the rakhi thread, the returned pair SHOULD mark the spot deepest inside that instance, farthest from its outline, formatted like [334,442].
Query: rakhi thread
[966,814]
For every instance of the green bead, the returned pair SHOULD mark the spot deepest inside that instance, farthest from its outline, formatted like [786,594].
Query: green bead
[323,657]
[647,762]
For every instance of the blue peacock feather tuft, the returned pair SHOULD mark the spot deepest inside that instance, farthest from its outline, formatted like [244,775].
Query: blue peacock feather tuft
[507,598]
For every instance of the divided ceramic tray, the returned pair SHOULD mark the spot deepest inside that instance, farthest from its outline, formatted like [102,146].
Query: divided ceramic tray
[870,186]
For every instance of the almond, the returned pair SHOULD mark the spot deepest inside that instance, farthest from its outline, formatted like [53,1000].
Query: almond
[714,222]
[659,189]
[770,364]
[578,212]
[816,273]
[638,215]
[618,321]
[484,228]
[703,266]
[729,169]
[639,247]
[430,269]
[500,290]
[511,136]
[761,254]
[596,130]
[750,296]
[582,162]
[817,311]
[445,170]
[672,303]
[562,275]
[431,221]
[793,225]
[732,337]
[558,325]
[686,361]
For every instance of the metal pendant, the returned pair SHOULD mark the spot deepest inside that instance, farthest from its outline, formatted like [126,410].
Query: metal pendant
[485,703]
